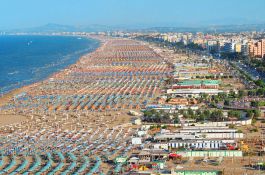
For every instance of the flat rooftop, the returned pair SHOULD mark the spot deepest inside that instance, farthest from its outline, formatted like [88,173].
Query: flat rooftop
[197,82]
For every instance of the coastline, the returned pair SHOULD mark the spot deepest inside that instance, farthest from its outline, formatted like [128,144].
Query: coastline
[83,85]
[4,98]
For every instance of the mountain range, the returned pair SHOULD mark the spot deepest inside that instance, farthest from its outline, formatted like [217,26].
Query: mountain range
[51,27]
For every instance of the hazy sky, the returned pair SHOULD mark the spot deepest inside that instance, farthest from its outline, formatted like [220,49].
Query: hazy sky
[28,13]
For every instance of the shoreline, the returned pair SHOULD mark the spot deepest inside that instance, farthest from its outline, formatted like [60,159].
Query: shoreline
[4,98]
[83,85]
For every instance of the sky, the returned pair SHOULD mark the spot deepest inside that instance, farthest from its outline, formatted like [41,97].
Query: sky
[150,13]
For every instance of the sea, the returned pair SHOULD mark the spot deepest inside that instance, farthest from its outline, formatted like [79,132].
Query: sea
[28,59]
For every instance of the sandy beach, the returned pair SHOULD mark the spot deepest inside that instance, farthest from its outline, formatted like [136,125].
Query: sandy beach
[82,110]
[142,74]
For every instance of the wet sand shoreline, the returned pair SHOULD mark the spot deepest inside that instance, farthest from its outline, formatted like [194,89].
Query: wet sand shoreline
[4,98]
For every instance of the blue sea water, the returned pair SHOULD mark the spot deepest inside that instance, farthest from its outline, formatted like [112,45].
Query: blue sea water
[28,59]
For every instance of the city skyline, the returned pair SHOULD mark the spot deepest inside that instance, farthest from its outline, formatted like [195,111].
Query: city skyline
[147,13]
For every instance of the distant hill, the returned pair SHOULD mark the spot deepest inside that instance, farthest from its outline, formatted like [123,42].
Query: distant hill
[51,27]
[101,28]
[216,28]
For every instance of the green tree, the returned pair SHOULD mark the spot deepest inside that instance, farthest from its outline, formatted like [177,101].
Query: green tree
[190,111]
[232,94]
[260,91]
[176,118]
[217,115]
[234,113]
[249,114]
[241,93]
[257,113]
[251,93]
[207,113]
[227,102]
[260,83]
[222,95]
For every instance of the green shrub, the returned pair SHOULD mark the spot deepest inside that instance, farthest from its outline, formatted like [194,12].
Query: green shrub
[239,131]
[231,126]
[164,127]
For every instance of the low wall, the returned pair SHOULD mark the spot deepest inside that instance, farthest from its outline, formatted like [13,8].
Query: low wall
[209,124]
[195,172]
[241,122]
[221,135]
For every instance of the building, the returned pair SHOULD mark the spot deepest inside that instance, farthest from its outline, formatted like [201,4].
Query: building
[229,47]
[212,45]
[137,121]
[263,48]
[198,136]
[195,133]
[238,48]
[257,49]
[197,84]
[178,101]
[204,144]
[137,141]
[192,92]
[244,49]
[133,113]
[212,153]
